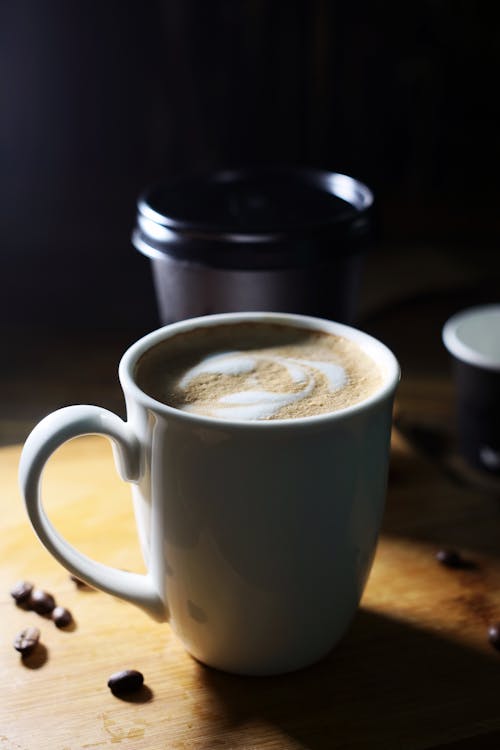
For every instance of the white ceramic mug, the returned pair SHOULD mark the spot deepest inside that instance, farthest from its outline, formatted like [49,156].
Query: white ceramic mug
[258,536]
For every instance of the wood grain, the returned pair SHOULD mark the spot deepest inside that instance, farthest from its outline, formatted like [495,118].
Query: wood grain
[415,670]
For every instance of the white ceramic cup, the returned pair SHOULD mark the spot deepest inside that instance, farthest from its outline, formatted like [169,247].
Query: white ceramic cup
[258,536]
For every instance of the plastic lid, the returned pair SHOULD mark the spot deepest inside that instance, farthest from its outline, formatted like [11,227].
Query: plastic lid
[473,336]
[255,218]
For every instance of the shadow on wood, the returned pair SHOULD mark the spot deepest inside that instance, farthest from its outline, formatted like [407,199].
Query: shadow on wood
[342,702]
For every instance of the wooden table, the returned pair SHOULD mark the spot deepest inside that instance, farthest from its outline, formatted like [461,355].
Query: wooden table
[415,670]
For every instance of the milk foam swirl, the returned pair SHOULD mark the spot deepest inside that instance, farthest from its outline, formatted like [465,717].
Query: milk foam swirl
[257,403]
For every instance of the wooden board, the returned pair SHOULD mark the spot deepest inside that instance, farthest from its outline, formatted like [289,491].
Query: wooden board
[415,670]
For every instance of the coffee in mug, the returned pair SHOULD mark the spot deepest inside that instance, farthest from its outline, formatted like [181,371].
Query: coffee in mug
[257,448]
[258,371]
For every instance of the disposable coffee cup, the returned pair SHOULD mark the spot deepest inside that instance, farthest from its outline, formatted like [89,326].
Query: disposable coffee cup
[473,339]
[281,239]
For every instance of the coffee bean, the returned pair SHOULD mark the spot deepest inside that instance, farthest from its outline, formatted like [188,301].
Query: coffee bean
[450,558]
[21,592]
[494,635]
[62,617]
[126,681]
[79,583]
[26,640]
[42,602]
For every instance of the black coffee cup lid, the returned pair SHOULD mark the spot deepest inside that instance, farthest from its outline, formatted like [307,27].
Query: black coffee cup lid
[270,217]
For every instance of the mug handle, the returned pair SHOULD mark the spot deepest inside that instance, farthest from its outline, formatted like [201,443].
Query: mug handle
[47,436]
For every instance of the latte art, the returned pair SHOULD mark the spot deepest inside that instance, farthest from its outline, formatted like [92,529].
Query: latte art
[252,403]
[258,372]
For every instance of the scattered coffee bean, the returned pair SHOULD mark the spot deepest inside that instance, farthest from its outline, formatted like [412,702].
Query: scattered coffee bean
[126,681]
[494,635]
[42,602]
[450,558]
[62,617]
[79,583]
[26,640]
[21,592]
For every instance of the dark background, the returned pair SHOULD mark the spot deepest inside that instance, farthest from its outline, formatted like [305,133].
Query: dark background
[100,99]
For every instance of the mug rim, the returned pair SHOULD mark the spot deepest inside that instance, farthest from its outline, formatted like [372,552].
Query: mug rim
[378,351]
